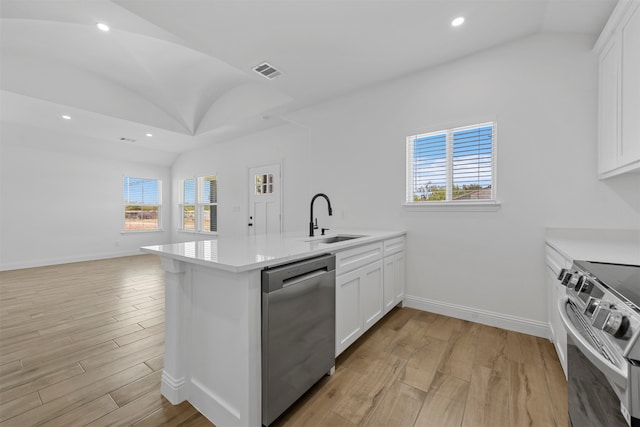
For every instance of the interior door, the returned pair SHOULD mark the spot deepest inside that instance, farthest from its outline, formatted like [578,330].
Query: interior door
[265,195]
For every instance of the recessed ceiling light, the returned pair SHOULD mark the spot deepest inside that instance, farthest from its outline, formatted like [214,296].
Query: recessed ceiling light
[66,117]
[102,26]
[458,21]
[149,135]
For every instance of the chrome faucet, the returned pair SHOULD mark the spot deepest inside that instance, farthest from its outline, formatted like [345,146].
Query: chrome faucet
[313,226]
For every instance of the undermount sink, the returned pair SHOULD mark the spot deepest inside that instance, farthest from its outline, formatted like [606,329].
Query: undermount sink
[338,238]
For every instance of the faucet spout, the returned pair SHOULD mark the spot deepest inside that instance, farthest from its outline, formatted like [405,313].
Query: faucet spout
[313,226]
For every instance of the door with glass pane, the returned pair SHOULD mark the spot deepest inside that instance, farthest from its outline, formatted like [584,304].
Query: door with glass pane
[265,192]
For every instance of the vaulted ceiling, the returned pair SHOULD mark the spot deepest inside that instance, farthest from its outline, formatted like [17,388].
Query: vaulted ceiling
[183,70]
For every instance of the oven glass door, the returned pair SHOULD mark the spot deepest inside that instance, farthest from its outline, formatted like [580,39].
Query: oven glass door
[592,401]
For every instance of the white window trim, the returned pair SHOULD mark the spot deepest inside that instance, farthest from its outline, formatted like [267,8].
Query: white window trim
[157,230]
[470,206]
[160,228]
[197,217]
[486,205]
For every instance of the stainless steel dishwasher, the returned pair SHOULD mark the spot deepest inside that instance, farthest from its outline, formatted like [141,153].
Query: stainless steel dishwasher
[298,330]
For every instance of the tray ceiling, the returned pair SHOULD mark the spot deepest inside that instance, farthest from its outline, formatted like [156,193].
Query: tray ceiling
[183,70]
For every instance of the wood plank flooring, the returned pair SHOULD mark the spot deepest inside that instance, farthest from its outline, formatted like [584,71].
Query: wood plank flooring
[82,344]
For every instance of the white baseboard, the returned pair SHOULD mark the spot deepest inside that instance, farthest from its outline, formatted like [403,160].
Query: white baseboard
[214,407]
[172,389]
[66,260]
[499,320]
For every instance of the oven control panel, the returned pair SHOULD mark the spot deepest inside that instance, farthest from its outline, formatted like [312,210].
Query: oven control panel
[608,318]
[604,311]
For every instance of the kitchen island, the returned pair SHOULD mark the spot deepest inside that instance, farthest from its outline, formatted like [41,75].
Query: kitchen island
[213,312]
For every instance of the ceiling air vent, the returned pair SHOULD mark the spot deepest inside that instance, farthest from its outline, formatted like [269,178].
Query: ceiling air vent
[127,139]
[267,70]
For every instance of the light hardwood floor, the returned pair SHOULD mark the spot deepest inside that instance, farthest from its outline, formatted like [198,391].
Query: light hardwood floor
[81,344]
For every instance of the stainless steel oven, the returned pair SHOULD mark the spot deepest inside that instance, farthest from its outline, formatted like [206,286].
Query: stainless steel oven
[601,314]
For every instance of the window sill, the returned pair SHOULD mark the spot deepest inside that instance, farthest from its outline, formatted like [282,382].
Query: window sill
[206,233]
[158,230]
[479,206]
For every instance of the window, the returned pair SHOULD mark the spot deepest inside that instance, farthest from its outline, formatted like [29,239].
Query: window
[142,202]
[453,165]
[199,204]
[264,184]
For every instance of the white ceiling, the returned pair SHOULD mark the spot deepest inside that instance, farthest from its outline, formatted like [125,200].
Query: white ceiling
[182,70]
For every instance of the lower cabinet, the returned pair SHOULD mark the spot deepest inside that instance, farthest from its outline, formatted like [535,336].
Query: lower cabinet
[369,283]
[358,303]
[393,280]
[554,263]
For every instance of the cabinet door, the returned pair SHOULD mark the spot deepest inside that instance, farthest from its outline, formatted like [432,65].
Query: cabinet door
[371,294]
[348,310]
[389,283]
[630,89]
[393,280]
[398,270]
[608,138]
[558,333]
[554,263]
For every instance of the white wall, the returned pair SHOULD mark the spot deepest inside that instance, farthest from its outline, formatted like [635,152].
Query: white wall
[543,93]
[62,205]
[485,266]
[229,161]
[541,90]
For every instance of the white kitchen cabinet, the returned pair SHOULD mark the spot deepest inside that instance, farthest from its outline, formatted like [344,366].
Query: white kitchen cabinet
[608,108]
[618,49]
[359,292]
[369,282]
[399,278]
[371,294]
[555,262]
[394,277]
[389,284]
[349,324]
[352,259]
[358,303]
[630,88]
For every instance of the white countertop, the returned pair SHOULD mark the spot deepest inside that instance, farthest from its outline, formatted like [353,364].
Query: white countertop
[237,254]
[614,246]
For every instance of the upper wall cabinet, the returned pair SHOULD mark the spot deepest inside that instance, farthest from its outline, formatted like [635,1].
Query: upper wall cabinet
[618,49]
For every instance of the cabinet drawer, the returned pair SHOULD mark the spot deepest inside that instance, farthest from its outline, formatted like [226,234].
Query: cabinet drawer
[555,260]
[357,257]
[393,246]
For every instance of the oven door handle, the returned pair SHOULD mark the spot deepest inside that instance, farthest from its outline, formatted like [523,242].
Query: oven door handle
[611,371]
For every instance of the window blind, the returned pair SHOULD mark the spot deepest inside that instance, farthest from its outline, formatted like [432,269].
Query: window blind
[209,189]
[199,204]
[430,166]
[452,165]
[472,163]
[188,204]
[209,208]
[189,192]
[141,191]
[142,199]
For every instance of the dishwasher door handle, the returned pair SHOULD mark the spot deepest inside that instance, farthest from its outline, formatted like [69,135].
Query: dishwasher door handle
[303,277]
[286,275]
